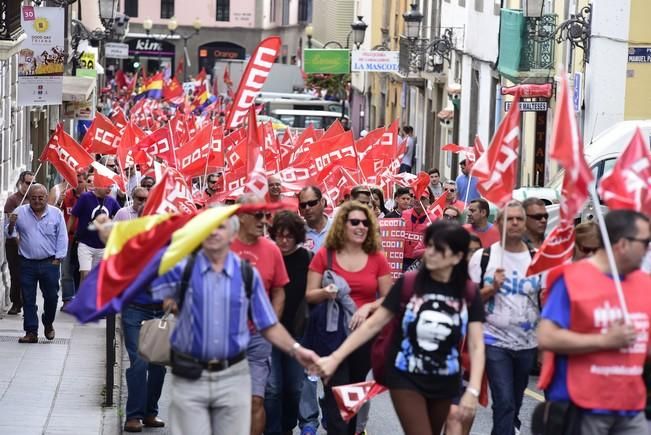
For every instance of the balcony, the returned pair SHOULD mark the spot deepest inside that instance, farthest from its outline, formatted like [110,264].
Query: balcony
[522,54]
[10,20]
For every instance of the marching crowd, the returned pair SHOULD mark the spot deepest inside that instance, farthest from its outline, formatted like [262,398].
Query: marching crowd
[274,300]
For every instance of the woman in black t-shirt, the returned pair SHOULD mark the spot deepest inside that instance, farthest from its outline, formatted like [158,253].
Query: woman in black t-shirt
[423,370]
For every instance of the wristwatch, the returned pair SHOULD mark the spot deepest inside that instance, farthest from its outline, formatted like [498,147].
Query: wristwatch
[473,391]
[295,347]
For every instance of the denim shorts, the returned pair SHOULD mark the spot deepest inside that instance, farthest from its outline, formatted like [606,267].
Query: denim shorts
[259,355]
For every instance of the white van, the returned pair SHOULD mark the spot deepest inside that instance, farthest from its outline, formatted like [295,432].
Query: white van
[303,118]
[601,155]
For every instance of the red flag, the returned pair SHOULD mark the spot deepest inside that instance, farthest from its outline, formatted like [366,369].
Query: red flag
[336,182]
[200,154]
[335,129]
[306,138]
[120,79]
[567,148]
[479,147]
[456,149]
[201,76]
[179,129]
[350,398]
[256,73]
[66,155]
[628,185]
[102,136]
[173,91]
[170,195]
[496,169]
[253,142]
[436,209]
[328,149]
[420,185]
[557,249]
[119,119]
[104,177]
[227,78]
[131,137]
[364,144]
[160,144]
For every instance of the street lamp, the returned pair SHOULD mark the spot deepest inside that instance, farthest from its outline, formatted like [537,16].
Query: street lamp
[412,19]
[107,10]
[172,25]
[358,31]
[147,24]
[309,32]
[417,54]
[577,30]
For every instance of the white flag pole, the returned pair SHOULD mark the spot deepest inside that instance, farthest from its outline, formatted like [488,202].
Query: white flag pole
[609,252]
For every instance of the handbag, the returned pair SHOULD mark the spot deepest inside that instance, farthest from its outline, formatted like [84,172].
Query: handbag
[155,334]
[154,339]
[556,418]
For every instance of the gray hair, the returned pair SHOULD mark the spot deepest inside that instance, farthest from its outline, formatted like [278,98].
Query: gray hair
[37,186]
[511,204]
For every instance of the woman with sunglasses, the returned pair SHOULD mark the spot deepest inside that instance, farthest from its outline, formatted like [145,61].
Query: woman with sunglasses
[452,213]
[354,245]
[422,366]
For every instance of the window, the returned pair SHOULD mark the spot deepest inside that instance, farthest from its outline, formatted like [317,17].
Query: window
[314,121]
[462,3]
[479,5]
[166,8]
[304,11]
[131,8]
[285,12]
[272,11]
[223,10]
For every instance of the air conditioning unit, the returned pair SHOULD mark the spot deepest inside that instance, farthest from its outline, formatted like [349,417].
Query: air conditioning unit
[532,8]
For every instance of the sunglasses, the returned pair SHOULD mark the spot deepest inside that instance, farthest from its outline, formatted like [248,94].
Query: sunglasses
[450,216]
[356,222]
[260,215]
[140,198]
[306,204]
[450,190]
[539,216]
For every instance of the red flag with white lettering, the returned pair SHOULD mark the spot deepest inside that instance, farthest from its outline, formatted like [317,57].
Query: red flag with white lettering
[306,138]
[66,155]
[364,144]
[197,154]
[334,184]
[326,150]
[102,136]
[628,185]
[170,195]
[160,144]
[335,129]
[253,79]
[567,148]
[437,207]
[104,177]
[119,119]
[557,249]
[496,168]
[350,398]
[129,144]
[179,129]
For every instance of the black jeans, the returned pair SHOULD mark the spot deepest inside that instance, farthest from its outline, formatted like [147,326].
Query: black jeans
[353,369]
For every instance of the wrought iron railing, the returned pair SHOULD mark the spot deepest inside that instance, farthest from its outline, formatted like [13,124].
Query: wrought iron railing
[10,19]
[538,54]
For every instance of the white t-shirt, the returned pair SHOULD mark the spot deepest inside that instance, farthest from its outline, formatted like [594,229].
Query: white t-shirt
[512,314]
[646,262]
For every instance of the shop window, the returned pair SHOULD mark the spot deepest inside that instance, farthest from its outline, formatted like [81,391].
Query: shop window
[166,8]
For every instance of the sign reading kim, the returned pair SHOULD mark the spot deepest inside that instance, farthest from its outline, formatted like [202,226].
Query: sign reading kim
[42,56]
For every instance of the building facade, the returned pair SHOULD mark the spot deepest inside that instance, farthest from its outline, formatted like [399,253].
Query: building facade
[229,30]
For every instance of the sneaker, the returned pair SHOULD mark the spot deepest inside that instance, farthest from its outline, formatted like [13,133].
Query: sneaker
[308,430]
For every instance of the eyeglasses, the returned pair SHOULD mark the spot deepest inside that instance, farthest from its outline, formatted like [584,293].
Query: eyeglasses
[261,215]
[587,250]
[539,216]
[306,204]
[447,189]
[645,242]
[450,216]
[140,198]
[356,222]
[147,186]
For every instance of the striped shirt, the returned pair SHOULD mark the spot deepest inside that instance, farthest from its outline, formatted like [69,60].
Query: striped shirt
[212,323]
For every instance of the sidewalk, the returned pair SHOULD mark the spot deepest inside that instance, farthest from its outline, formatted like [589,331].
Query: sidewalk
[54,387]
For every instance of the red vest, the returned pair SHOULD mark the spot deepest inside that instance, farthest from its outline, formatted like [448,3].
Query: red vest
[612,379]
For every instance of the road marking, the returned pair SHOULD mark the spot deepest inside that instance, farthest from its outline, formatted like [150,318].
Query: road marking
[534,395]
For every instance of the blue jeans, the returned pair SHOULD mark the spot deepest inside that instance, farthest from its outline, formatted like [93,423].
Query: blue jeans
[144,380]
[308,408]
[283,393]
[44,274]
[508,375]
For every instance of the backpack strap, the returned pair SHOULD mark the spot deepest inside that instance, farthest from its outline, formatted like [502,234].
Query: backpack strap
[185,279]
[247,278]
[485,256]
[329,255]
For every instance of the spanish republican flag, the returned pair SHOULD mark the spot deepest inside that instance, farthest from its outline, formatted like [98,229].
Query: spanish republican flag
[136,253]
[153,88]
